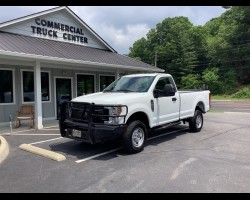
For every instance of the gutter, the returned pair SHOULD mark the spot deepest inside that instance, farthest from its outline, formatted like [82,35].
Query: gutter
[72,61]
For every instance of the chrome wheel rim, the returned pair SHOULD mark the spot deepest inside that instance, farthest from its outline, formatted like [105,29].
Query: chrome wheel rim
[138,137]
[199,121]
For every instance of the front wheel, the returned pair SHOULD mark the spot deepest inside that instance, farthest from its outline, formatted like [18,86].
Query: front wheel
[196,122]
[135,137]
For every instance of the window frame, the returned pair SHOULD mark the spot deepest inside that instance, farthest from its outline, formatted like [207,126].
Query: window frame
[50,88]
[99,86]
[84,74]
[14,86]
[30,70]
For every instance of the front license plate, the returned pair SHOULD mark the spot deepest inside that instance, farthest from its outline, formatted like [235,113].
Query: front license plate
[76,133]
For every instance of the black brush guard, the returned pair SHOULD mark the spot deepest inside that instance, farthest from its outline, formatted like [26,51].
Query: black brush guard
[89,128]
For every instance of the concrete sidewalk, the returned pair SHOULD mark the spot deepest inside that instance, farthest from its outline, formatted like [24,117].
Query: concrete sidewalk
[5,129]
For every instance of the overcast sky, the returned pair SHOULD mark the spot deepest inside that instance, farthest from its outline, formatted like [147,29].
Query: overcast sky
[121,26]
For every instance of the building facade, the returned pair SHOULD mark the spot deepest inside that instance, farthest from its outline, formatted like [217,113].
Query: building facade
[52,56]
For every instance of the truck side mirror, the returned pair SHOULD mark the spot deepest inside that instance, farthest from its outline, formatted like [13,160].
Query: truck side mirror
[169,90]
[156,93]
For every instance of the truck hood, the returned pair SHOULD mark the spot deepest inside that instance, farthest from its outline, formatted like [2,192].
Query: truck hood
[110,98]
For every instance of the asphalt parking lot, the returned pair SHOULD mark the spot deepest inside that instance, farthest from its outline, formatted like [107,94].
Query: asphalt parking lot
[214,160]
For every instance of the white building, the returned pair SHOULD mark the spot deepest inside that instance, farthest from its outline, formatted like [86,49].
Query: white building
[51,56]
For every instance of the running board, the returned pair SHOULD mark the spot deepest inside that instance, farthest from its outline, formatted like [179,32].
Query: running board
[167,126]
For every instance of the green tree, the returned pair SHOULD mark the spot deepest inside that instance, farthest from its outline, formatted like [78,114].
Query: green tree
[191,81]
[210,78]
[218,51]
[173,41]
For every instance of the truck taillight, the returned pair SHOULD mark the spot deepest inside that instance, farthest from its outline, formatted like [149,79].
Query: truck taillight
[210,98]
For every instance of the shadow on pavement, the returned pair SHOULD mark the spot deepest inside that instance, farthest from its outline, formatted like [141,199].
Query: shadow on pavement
[80,150]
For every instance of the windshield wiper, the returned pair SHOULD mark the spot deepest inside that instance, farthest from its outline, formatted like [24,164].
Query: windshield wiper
[124,91]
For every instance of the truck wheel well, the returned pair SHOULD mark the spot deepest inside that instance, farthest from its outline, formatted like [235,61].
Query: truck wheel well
[200,106]
[139,116]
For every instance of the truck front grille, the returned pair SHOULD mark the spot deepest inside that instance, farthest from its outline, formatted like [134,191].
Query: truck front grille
[80,112]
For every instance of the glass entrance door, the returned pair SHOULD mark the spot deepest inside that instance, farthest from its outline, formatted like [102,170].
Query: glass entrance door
[63,92]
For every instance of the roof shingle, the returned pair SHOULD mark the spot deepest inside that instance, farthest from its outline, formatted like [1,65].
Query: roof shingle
[45,47]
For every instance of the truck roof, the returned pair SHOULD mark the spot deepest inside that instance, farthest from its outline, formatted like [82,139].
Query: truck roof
[150,74]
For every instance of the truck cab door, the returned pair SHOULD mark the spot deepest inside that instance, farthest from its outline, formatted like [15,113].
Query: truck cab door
[166,103]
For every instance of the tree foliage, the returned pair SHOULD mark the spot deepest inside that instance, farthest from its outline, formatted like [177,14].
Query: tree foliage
[216,54]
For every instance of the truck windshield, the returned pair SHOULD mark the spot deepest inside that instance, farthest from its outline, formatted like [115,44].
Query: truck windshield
[131,84]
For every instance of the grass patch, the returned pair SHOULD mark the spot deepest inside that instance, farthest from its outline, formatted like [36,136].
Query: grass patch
[242,94]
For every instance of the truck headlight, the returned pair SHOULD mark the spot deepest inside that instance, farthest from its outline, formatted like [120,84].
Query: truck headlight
[115,112]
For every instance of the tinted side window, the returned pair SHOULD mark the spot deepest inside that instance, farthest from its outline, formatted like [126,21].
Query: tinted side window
[161,84]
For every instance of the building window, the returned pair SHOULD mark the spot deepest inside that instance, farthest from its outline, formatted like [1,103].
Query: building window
[45,86]
[85,84]
[29,89]
[105,81]
[6,86]
[28,86]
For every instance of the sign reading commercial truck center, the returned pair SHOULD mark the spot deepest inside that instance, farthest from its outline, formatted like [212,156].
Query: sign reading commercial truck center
[51,28]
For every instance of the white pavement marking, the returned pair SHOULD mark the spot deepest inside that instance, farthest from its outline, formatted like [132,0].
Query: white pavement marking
[180,168]
[111,151]
[167,133]
[21,134]
[50,127]
[46,140]
[32,130]
[246,113]
[95,156]
[241,109]
[18,132]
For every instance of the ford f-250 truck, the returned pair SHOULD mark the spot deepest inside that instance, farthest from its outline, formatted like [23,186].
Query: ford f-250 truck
[131,106]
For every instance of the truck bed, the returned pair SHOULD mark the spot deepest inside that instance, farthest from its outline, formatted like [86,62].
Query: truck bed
[189,90]
[189,100]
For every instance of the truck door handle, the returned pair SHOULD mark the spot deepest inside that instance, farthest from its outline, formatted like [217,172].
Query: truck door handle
[174,99]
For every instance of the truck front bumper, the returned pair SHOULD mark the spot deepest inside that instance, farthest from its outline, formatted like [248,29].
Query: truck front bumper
[83,127]
[93,134]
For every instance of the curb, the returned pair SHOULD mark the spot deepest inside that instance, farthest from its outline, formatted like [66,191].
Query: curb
[42,152]
[4,149]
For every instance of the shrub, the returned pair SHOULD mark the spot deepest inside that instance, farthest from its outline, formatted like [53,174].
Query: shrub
[190,81]
[243,93]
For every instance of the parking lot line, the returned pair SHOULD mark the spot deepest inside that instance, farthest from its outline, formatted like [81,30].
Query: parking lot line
[44,129]
[23,134]
[113,150]
[95,156]
[51,127]
[46,140]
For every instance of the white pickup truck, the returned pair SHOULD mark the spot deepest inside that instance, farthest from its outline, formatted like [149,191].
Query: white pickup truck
[129,107]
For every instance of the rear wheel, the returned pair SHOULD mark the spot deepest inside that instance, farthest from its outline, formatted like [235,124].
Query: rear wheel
[196,122]
[135,137]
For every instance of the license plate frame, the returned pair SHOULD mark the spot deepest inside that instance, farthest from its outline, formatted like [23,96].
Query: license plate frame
[76,133]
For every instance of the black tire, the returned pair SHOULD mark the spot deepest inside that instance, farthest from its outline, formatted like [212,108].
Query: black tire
[134,129]
[196,122]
